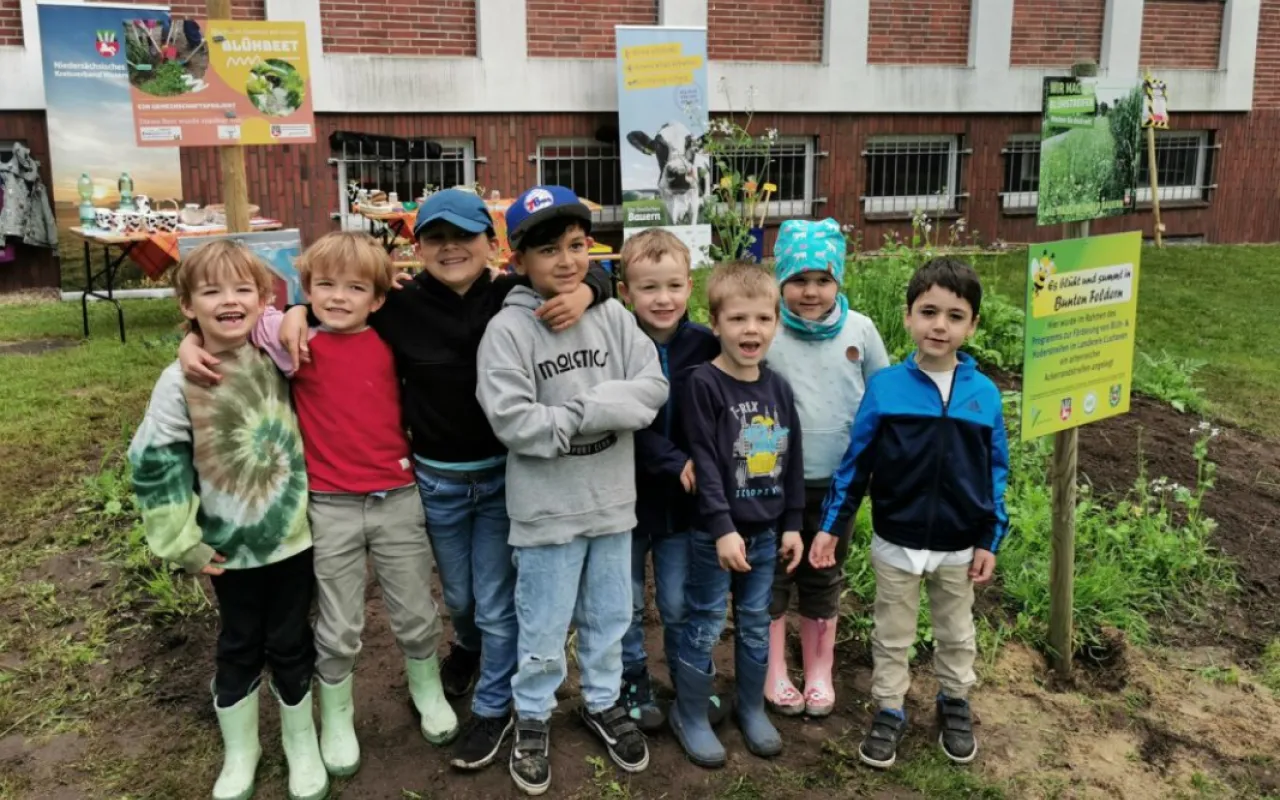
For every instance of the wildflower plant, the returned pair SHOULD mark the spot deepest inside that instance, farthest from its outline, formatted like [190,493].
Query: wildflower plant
[740,196]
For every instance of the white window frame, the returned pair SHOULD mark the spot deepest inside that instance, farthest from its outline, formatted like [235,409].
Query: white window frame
[1181,193]
[608,214]
[1019,201]
[453,150]
[790,208]
[909,204]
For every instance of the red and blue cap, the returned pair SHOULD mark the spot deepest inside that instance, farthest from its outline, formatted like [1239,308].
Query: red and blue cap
[540,204]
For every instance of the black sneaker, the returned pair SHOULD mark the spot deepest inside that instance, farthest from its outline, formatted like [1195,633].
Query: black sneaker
[458,671]
[637,698]
[623,739]
[880,747]
[955,730]
[480,741]
[530,762]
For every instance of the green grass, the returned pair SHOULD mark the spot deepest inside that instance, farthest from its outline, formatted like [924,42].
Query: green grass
[1210,304]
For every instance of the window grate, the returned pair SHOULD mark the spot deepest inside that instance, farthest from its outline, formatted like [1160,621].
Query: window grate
[391,166]
[789,165]
[592,169]
[1021,187]
[1183,166]
[906,174]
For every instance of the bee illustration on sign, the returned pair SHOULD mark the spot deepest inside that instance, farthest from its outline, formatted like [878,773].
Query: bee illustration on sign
[1114,397]
[1042,272]
[1155,111]
[1065,412]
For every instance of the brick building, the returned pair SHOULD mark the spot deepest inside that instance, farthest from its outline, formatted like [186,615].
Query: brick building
[881,105]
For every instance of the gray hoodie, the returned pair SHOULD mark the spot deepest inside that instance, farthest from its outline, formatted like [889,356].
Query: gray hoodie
[565,405]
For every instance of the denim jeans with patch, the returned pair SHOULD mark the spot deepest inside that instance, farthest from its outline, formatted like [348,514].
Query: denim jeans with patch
[468,525]
[670,569]
[585,582]
[707,597]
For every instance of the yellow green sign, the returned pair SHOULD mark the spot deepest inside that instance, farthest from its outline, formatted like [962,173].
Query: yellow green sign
[1082,307]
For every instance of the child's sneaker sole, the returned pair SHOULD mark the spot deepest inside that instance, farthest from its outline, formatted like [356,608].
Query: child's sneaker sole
[871,762]
[966,760]
[481,763]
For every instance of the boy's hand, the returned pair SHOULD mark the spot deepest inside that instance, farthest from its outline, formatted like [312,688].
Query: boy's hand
[687,479]
[822,553]
[564,310]
[196,362]
[983,568]
[732,552]
[792,549]
[293,336]
[210,569]
[402,280]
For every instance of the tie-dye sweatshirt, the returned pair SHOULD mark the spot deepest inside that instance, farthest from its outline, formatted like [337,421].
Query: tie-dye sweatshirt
[221,469]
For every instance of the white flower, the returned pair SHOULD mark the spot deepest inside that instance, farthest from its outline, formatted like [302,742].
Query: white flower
[772,134]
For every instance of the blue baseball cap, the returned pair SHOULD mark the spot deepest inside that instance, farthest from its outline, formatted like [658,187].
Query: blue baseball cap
[456,207]
[540,204]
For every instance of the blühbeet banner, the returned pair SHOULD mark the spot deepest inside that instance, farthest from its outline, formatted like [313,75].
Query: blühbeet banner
[221,82]
[662,119]
[1082,309]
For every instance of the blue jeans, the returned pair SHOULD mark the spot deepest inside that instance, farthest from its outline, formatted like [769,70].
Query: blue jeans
[670,568]
[584,582]
[468,525]
[707,597]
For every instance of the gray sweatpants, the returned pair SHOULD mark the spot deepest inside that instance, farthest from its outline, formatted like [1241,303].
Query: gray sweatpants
[391,527]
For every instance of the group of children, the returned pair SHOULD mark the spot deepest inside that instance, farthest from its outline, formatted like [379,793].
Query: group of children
[544,445]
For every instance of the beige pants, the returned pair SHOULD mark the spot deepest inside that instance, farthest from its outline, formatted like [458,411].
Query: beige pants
[347,529]
[896,613]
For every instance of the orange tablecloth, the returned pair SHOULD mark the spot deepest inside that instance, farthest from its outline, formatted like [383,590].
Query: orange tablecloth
[154,253]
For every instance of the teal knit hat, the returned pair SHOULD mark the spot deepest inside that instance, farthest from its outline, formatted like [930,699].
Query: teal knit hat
[808,246]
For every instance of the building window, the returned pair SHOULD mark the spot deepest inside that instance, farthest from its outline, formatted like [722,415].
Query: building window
[906,174]
[591,168]
[1184,167]
[1021,188]
[789,165]
[404,166]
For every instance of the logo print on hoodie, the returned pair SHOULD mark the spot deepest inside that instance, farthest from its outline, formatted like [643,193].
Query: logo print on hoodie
[574,359]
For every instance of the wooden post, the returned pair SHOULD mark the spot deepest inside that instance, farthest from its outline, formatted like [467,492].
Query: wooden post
[235,188]
[1155,186]
[1062,565]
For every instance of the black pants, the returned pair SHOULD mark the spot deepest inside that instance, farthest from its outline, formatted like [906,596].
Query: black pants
[819,589]
[264,616]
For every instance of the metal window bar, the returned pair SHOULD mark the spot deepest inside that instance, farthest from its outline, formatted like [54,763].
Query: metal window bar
[909,174]
[1021,187]
[1182,167]
[592,169]
[788,164]
[386,166]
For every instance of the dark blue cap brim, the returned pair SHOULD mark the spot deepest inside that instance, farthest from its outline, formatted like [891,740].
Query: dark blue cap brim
[456,220]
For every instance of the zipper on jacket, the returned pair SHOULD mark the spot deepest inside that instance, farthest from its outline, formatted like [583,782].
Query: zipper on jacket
[937,470]
[663,358]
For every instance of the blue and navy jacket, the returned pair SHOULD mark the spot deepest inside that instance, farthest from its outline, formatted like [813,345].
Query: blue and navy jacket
[662,505]
[936,471]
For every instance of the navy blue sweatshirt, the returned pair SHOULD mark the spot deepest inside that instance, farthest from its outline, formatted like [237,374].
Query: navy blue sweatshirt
[747,456]
[663,507]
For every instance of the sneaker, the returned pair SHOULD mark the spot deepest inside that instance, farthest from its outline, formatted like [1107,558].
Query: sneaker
[458,671]
[530,761]
[955,730]
[637,698]
[623,739]
[480,741]
[880,747]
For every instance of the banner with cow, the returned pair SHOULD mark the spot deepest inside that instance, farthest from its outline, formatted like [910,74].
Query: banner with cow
[662,123]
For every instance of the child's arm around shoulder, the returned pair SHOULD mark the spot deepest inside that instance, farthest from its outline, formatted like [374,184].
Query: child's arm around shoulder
[851,478]
[632,403]
[508,393]
[161,458]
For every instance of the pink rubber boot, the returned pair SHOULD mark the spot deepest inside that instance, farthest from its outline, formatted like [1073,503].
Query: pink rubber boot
[818,641]
[780,694]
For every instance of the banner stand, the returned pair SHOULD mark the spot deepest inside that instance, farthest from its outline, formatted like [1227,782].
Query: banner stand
[235,187]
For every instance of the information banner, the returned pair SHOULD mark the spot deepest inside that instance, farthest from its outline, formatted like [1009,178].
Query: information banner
[219,83]
[1082,307]
[662,119]
[1155,111]
[86,89]
[280,251]
[1089,149]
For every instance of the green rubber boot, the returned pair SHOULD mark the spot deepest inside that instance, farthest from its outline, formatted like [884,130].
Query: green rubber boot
[438,722]
[240,746]
[339,747]
[308,779]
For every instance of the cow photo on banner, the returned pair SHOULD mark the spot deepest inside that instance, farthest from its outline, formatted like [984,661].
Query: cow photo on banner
[662,122]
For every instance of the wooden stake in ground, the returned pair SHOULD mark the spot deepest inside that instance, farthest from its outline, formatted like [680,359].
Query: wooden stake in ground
[1062,564]
[235,188]
[1155,186]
